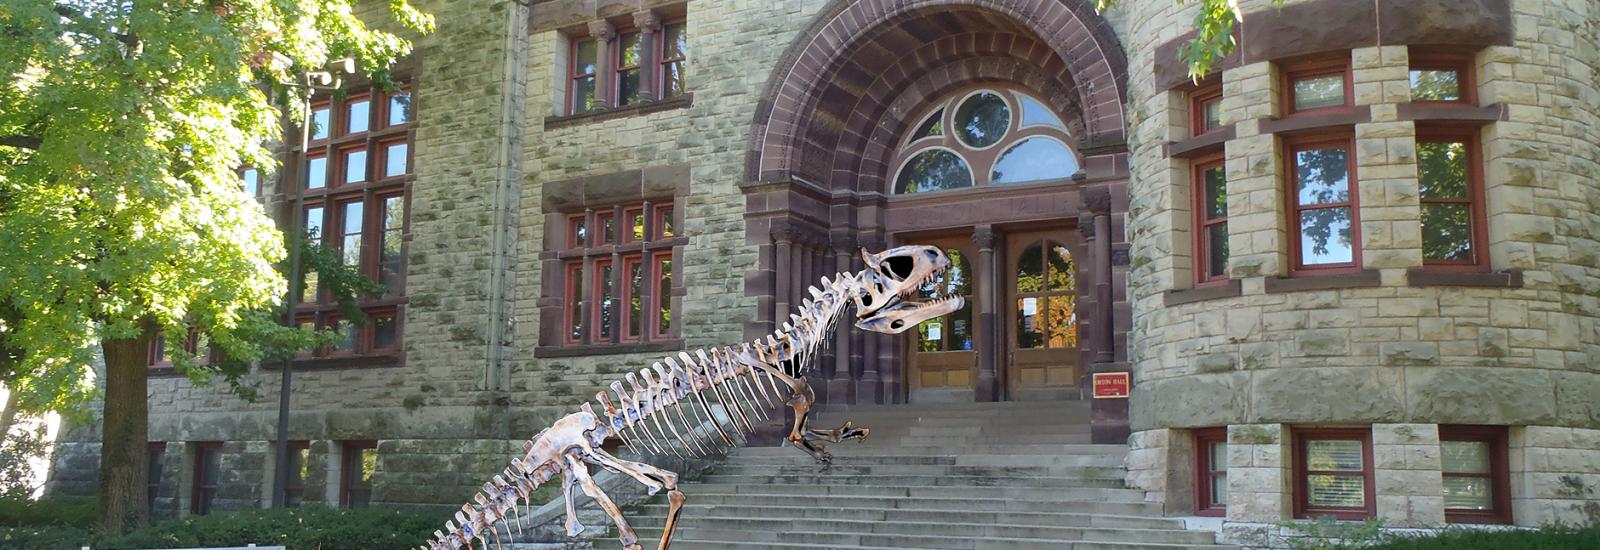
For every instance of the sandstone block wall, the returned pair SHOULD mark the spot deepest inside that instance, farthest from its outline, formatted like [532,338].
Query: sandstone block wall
[1399,358]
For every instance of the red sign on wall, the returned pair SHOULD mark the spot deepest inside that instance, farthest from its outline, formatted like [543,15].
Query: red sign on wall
[1111,385]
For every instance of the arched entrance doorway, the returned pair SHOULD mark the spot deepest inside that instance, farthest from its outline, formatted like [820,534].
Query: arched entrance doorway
[856,100]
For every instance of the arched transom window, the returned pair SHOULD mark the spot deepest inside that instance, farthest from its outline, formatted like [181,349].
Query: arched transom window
[990,136]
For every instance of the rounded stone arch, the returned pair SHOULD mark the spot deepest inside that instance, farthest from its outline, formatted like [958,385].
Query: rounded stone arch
[826,83]
[871,169]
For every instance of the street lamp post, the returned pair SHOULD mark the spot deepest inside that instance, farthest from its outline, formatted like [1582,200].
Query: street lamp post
[312,81]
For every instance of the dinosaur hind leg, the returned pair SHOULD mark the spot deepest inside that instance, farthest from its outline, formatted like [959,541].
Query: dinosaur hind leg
[650,476]
[813,441]
[580,472]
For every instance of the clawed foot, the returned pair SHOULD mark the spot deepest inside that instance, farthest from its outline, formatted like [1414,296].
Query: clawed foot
[849,431]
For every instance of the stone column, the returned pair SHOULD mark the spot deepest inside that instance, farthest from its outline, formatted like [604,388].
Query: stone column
[1406,460]
[649,25]
[1259,482]
[1100,252]
[986,329]
[604,33]
[870,387]
[839,386]
[783,272]
[1108,417]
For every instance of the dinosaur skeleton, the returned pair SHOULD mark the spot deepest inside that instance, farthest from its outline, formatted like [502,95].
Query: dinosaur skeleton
[647,412]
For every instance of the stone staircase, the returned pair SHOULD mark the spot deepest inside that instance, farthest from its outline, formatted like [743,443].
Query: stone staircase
[947,476]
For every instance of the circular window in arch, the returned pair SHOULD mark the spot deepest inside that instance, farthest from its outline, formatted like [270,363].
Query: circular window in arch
[991,136]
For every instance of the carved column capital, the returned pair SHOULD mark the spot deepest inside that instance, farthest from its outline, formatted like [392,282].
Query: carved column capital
[1097,201]
[785,233]
[646,21]
[602,30]
[984,237]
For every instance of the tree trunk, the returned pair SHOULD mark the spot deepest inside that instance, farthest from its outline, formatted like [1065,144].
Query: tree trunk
[8,416]
[125,436]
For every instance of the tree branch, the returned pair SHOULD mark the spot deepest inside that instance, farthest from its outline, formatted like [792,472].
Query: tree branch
[72,13]
[21,142]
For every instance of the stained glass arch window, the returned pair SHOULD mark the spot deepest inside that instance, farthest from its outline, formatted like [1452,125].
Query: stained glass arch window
[978,138]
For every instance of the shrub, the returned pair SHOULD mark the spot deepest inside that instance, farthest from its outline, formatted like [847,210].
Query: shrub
[312,528]
[1452,538]
[57,511]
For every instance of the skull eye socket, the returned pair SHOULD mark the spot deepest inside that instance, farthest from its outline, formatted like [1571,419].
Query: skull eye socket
[900,266]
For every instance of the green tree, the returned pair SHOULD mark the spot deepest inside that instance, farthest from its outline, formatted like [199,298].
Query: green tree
[121,126]
[1213,27]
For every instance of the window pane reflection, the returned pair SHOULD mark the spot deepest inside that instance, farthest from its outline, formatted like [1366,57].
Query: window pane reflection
[1325,236]
[982,119]
[933,170]
[1323,175]
[1035,159]
[1435,85]
[1317,92]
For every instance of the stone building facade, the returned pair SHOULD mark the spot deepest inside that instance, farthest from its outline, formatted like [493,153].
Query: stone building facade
[593,184]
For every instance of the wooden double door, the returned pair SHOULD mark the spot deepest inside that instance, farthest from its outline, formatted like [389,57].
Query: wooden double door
[1032,320]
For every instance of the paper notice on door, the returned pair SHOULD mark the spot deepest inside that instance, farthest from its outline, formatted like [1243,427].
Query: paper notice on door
[935,332]
[1030,306]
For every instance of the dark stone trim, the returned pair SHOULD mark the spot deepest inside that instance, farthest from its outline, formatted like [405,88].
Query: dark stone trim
[1452,113]
[167,371]
[1366,278]
[681,102]
[1421,276]
[1179,296]
[1330,25]
[343,362]
[1185,148]
[1300,123]
[608,349]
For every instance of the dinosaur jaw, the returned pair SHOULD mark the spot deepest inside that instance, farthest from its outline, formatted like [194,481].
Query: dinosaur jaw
[896,294]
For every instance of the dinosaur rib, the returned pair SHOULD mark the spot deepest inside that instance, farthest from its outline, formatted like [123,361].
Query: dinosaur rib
[884,297]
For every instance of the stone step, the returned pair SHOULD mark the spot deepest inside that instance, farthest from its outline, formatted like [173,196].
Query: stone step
[654,514]
[1002,544]
[925,480]
[807,541]
[948,440]
[705,495]
[956,492]
[847,449]
[740,468]
[797,458]
[862,532]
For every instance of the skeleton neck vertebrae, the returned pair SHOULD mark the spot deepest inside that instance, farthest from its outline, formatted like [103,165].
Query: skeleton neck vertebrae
[721,389]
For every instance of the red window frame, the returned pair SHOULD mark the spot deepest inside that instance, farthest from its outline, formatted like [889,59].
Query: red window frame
[662,291]
[1205,471]
[1499,473]
[1476,214]
[576,224]
[1294,145]
[662,61]
[1198,99]
[626,229]
[663,224]
[602,278]
[1302,497]
[294,485]
[582,291]
[629,331]
[318,106]
[154,452]
[573,76]
[383,117]
[374,193]
[1316,68]
[202,494]
[573,304]
[351,466]
[156,357]
[1203,224]
[1460,62]
[618,69]
[344,114]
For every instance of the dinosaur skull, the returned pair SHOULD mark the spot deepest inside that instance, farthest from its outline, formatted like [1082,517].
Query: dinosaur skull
[885,302]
